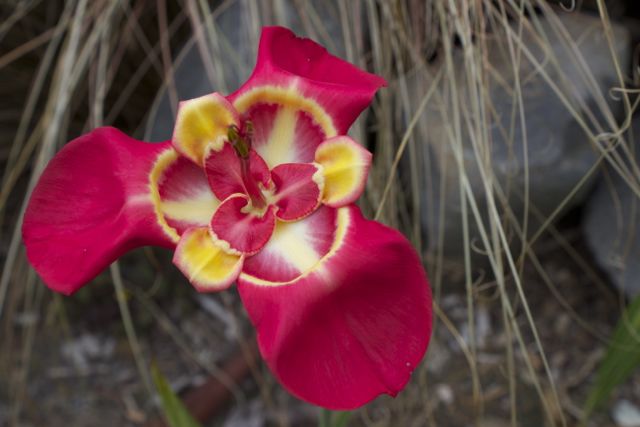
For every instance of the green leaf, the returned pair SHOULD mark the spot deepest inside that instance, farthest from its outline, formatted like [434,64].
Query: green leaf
[176,414]
[621,359]
[323,418]
[340,419]
[333,418]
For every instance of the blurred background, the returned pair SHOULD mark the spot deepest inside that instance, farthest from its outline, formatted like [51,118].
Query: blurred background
[505,148]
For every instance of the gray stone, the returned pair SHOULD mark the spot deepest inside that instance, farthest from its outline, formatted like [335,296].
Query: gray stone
[558,150]
[612,224]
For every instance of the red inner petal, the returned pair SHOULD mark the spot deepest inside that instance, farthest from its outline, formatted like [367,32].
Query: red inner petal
[259,170]
[298,190]
[229,174]
[245,230]
[224,172]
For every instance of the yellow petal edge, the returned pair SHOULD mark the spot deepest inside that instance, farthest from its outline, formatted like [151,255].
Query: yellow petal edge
[346,166]
[208,266]
[203,124]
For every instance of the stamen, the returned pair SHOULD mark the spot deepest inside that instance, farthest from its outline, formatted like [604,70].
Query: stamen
[240,139]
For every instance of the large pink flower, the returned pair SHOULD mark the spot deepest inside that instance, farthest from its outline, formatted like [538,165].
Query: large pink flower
[255,188]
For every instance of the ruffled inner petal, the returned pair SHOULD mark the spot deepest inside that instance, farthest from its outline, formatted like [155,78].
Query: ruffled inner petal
[202,124]
[205,263]
[224,171]
[298,189]
[91,205]
[243,227]
[345,165]
[226,176]
[353,326]
[259,170]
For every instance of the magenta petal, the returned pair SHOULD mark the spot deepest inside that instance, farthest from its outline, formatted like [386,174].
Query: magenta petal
[259,170]
[284,60]
[298,189]
[244,228]
[225,173]
[352,327]
[92,204]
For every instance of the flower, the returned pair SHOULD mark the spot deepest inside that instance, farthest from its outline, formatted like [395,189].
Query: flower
[255,188]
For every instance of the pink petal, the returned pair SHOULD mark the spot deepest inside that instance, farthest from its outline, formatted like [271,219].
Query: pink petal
[294,247]
[353,326]
[244,228]
[184,198]
[91,205]
[300,95]
[298,189]
[284,60]
[285,133]
[225,174]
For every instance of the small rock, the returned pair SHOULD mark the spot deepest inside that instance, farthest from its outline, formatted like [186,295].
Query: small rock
[626,414]
[445,393]
[133,412]
[81,350]
[437,357]
[250,415]
[214,308]
[482,327]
